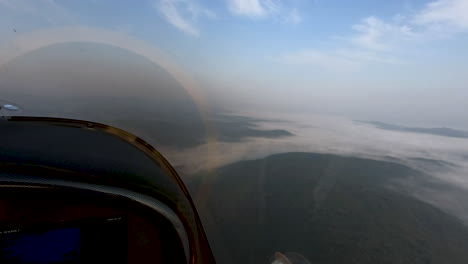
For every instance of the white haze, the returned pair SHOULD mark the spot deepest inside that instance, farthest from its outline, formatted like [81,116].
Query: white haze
[342,136]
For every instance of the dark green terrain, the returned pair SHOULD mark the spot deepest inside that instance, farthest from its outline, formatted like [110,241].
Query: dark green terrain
[438,131]
[331,209]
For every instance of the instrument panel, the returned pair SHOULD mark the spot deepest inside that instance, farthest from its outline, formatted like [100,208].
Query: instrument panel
[41,224]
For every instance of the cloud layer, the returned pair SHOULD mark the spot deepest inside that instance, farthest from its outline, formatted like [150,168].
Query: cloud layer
[443,159]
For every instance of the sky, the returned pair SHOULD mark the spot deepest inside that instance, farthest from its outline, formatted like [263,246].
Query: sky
[395,61]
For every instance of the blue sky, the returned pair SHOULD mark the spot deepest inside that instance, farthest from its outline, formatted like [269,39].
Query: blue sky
[392,58]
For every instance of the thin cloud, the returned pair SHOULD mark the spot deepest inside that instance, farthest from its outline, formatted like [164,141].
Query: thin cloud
[438,19]
[183,14]
[320,59]
[338,60]
[173,15]
[365,57]
[265,9]
[376,34]
[252,8]
[293,17]
[445,13]
[374,40]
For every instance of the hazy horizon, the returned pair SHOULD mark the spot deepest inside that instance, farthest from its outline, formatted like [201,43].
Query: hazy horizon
[401,62]
[103,66]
